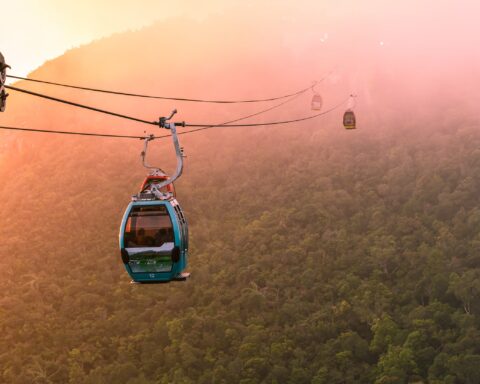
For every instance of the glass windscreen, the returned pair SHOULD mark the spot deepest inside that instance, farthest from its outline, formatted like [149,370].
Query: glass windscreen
[148,226]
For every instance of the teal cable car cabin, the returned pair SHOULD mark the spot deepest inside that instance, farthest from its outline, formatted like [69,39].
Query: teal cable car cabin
[154,240]
[153,234]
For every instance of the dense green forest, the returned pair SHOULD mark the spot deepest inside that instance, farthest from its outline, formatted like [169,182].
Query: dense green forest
[337,259]
[317,255]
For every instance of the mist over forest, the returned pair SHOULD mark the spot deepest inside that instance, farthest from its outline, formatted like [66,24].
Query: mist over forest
[318,255]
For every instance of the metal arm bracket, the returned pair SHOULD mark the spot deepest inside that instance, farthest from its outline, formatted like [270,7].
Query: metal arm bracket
[155,188]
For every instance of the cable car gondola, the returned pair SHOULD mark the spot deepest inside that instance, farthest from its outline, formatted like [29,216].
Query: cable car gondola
[349,119]
[317,102]
[3,78]
[154,239]
[154,231]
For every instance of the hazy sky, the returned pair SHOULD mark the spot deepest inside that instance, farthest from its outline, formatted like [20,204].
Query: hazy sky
[33,31]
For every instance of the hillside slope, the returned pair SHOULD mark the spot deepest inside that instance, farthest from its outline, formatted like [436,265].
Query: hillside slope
[317,255]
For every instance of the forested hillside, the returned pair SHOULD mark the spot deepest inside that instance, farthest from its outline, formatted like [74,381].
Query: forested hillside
[317,255]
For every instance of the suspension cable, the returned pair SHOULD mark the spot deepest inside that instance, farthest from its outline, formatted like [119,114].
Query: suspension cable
[268,123]
[299,92]
[80,105]
[165,136]
[205,126]
[180,133]
[238,119]
[70,132]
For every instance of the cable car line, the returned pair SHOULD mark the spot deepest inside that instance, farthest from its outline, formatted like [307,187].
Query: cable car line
[177,123]
[238,119]
[271,122]
[140,137]
[70,132]
[299,92]
[179,133]
[81,105]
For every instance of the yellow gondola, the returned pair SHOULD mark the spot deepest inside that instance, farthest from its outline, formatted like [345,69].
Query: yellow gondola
[349,119]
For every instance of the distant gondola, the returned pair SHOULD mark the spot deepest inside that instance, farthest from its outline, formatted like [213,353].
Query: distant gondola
[317,102]
[349,119]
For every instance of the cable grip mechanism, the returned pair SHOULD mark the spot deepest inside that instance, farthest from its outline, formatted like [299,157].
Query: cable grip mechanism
[163,121]
[156,187]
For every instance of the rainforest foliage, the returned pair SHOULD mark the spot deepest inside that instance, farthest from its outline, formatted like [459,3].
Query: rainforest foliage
[347,258]
[317,255]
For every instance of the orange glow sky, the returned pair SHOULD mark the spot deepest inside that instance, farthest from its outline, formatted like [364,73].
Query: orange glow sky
[34,31]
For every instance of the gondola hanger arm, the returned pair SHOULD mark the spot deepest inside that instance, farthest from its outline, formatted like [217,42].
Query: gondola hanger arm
[164,123]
